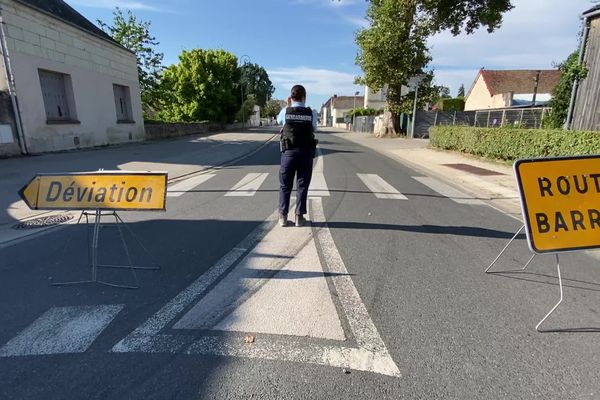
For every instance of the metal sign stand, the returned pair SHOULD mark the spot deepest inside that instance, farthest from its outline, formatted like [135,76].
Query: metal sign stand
[93,250]
[537,327]
[487,270]
[560,285]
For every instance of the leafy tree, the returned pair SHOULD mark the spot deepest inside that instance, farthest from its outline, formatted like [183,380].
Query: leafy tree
[444,92]
[248,107]
[272,108]
[255,81]
[203,86]
[394,48]
[135,36]
[571,70]
[461,90]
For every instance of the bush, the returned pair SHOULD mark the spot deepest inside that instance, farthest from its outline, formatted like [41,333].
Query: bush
[511,144]
[449,105]
[363,112]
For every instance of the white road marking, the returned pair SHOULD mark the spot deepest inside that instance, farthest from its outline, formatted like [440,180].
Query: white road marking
[447,191]
[62,330]
[158,335]
[248,185]
[279,288]
[184,186]
[371,346]
[146,336]
[380,188]
[318,185]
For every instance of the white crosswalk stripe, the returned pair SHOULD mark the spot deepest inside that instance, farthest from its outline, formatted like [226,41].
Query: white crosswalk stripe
[447,191]
[62,330]
[380,188]
[249,185]
[180,188]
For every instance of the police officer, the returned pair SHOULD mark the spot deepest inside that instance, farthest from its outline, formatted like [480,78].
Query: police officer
[298,145]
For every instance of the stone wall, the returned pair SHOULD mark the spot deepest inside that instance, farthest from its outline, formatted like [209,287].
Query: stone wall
[174,130]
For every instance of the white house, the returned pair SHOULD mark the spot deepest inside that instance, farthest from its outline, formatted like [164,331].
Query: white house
[73,85]
[375,99]
[336,108]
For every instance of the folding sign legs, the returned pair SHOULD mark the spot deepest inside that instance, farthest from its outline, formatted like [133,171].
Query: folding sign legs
[93,251]
[537,327]
[487,270]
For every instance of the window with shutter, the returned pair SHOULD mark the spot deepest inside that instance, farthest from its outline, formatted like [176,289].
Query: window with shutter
[55,95]
[122,103]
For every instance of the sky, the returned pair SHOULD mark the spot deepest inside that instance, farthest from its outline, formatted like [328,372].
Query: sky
[311,42]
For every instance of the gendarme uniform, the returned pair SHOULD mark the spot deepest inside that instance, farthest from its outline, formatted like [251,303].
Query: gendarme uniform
[297,153]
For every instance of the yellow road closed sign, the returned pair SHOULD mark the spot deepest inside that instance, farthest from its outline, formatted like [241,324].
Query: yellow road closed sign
[103,190]
[560,200]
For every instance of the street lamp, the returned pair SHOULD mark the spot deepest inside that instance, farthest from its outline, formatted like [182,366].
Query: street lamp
[243,61]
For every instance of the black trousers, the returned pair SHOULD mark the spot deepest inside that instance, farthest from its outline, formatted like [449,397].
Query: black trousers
[295,162]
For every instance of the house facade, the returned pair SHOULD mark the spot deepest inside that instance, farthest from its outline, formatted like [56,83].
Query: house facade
[336,109]
[375,99]
[70,85]
[509,88]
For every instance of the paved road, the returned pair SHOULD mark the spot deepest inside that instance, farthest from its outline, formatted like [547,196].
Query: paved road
[383,296]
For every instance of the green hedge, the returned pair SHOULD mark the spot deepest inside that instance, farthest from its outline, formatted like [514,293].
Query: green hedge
[513,143]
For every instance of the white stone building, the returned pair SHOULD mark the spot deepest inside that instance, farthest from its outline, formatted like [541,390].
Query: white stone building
[74,85]
[336,109]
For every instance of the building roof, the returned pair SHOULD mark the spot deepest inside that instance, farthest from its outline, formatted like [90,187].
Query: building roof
[591,10]
[345,102]
[518,81]
[61,10]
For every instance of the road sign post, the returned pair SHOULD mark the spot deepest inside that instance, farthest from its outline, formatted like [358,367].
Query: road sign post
[100,194]
[560,206]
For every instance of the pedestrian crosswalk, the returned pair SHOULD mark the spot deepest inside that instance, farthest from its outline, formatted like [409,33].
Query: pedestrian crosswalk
[250,183]
[380,188]
[248,186]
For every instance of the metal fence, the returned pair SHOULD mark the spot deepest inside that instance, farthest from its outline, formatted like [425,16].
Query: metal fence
[532,118]
[363,124]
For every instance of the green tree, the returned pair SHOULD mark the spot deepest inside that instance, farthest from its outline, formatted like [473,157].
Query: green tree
[272,108]
[255,81]
[461,90]
[571,70]
[203,86]
[444,92]
[135,36]
[394,47]
[248,107]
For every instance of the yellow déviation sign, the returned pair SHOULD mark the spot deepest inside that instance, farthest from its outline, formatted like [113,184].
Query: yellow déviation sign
[560,200]
[103,190]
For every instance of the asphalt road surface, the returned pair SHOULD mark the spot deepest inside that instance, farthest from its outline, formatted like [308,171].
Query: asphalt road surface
[382,296]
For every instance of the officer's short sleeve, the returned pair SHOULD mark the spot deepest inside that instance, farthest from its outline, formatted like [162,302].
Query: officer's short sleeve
[281,117]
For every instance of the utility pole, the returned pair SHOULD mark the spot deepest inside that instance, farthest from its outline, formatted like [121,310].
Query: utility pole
[535,89]
[354,110]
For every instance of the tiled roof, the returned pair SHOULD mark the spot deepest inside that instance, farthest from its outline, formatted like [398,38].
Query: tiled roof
[62,10]
[519,81]
[344,102]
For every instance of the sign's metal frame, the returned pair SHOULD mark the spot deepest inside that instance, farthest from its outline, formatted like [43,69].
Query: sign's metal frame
[529,235]
[98,213]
